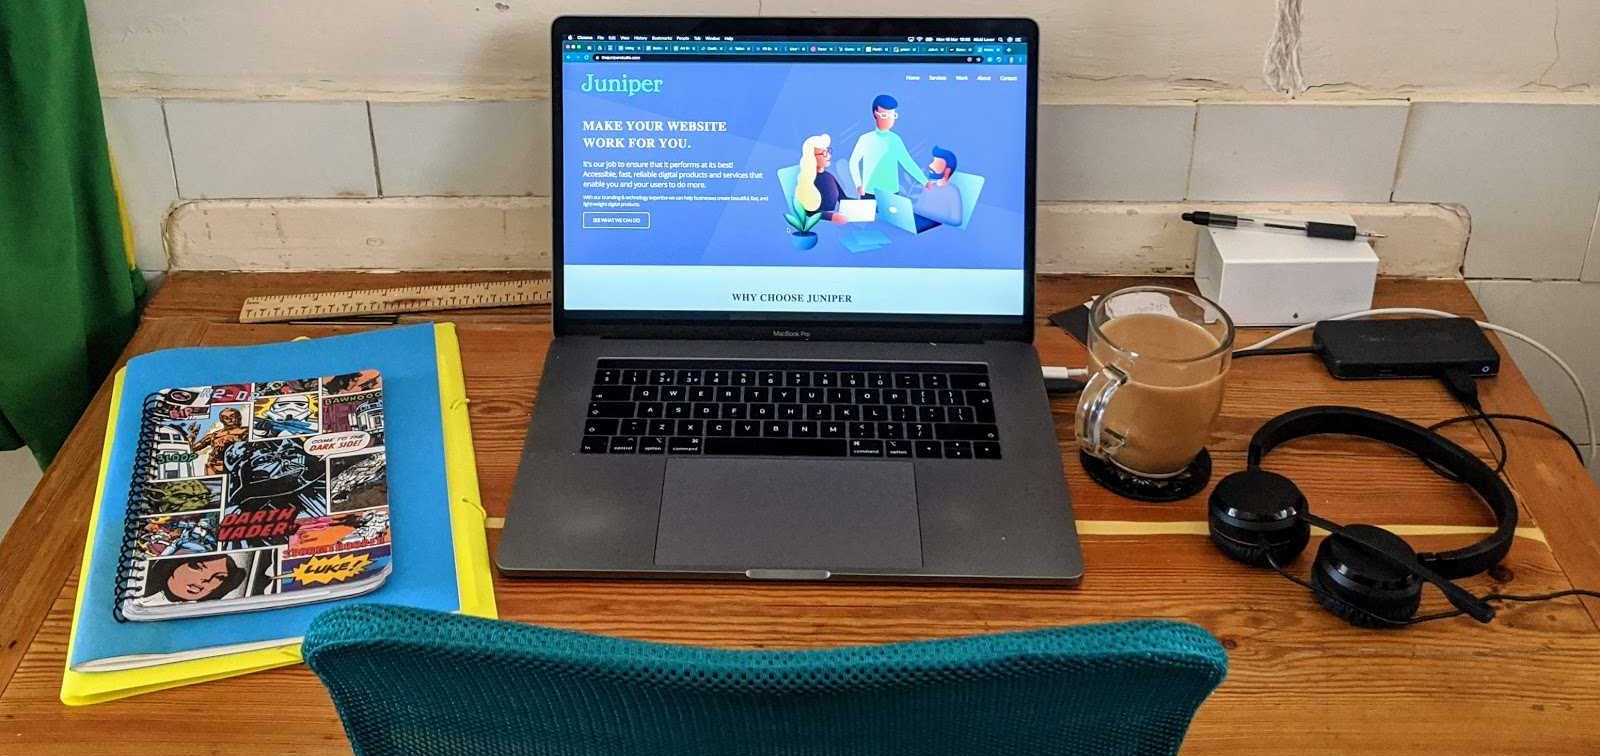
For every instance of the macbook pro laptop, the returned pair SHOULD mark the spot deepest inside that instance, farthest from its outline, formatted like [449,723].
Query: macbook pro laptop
[743,385]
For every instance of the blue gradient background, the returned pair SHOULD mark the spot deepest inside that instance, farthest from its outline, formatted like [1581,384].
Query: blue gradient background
[770,109]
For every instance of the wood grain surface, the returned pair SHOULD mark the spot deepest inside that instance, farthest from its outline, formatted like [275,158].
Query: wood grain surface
[1300,681]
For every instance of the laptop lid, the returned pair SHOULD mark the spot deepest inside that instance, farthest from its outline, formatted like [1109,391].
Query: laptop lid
[701,170]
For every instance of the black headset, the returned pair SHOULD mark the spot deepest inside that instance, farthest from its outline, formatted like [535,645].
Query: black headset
[1366,575]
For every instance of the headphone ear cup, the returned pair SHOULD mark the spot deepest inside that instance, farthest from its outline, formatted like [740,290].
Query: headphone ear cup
[1255,514]
[1361,588]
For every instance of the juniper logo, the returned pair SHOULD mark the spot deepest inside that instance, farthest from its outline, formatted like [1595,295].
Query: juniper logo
[623,84]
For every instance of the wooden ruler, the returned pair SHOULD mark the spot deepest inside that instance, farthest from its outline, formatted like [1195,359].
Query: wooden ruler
[340,304]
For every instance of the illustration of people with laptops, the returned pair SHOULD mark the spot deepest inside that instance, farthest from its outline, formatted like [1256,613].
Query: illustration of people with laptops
[937,197]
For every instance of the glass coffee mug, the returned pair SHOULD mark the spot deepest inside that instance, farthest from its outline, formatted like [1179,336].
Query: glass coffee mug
[1157,360]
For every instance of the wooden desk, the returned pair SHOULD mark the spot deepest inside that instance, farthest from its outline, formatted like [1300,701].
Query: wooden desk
[1301,680]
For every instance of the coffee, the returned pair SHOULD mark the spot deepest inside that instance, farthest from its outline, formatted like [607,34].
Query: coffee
[1165,410]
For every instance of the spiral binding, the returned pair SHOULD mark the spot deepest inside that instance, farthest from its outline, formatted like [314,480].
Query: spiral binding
[130,567]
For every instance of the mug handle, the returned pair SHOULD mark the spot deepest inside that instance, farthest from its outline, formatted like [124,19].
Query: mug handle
[1091,418]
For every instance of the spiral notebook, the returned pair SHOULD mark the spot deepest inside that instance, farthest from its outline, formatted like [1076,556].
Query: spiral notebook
[412,408]
[250,496]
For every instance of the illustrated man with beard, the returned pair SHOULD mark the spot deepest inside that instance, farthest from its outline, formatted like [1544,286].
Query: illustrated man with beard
[275,477]
[217,442]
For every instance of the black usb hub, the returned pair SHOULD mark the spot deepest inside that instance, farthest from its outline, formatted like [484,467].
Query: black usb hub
[1408,348]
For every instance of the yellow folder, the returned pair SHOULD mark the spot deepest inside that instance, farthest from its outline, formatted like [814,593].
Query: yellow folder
[474,580]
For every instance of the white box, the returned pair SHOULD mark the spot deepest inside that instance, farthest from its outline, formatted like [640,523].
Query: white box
[1268,277]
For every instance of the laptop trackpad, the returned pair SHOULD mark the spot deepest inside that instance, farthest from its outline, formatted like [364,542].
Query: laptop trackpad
[742,514]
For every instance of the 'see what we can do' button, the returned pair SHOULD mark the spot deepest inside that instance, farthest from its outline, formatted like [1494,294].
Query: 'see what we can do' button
[616,220]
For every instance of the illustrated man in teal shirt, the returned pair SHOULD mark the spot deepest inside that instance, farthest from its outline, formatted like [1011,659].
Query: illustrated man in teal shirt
[879,155]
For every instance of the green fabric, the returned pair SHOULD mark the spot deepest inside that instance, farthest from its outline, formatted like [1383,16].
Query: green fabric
[408,681]
[67,293]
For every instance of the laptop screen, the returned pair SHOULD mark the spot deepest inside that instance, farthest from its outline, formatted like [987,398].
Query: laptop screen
[793,177]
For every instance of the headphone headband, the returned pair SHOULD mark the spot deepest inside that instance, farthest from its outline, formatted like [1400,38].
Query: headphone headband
[1429,446]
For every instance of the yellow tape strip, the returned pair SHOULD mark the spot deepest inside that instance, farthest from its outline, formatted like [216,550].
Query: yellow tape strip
[1137,528]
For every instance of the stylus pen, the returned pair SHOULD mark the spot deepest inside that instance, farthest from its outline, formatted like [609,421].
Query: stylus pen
[1309,228]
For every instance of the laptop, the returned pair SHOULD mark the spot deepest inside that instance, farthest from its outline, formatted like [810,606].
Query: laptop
[897,211]
[741,387]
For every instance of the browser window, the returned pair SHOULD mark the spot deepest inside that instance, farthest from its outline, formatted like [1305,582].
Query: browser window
[828,175]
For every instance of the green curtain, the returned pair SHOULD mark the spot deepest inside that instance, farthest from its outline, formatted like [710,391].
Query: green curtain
[68,292]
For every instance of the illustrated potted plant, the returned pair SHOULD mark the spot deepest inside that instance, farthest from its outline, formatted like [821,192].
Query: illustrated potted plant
[802,237]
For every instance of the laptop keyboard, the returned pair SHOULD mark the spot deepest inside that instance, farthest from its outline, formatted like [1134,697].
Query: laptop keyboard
[782,408]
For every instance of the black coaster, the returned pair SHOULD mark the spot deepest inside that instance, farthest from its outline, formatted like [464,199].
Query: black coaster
[1124,483]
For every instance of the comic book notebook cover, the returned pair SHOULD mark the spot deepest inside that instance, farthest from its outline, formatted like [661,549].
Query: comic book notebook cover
[254,496]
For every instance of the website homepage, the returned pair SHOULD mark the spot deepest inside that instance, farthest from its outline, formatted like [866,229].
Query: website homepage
[794,187]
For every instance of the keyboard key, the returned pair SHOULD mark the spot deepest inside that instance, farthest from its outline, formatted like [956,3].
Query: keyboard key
[593,445]
[949,396]
[894,396]
[661,427]
[891,430]
[598,427]
[982,403]
[716,377]
[607,376]
[763,411]
[985,450]
[897,448]
[840,396]
[853,380]
[924,396]
[733,411]
[966,431]
[633,427]
[769,378]
[866,396]
[874,412]
[784,394]
[812,395]
[861,430]
[846,412]
[689,377]
[865,448]
[624,445]
[610,409]
[825,379]
[777,447]
[958,450]
[907,381]
[684,445]
[611,394]
[928,449]
[634,377]
[719,427]
[833,430]
[934,381]
[920,431]
[729,394]
[746,428]
[930,414]
[758,394]
[744,377]
[803,429]
[677,410]
[674,393]
[879,380]
[775,429]
[702,394]
[797,378]
[705,411]
[690,427]
[961,414]
[661,377]
[903,413]
[647,393]
[790,412]
[969,381]
[819,412]
[653,445]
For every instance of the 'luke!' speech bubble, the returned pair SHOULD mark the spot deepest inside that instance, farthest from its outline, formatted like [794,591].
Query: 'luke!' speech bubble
[332,568]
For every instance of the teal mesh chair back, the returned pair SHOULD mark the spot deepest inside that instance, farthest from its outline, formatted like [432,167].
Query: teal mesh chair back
[408,681]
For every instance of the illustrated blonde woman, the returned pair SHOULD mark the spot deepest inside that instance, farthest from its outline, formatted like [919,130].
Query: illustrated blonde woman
[815,189]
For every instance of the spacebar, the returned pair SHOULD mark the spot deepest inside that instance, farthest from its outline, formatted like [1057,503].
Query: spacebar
[777,447]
